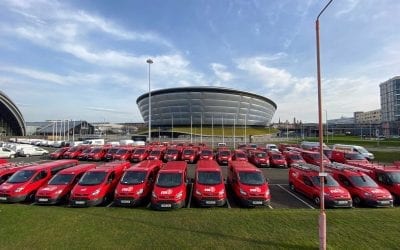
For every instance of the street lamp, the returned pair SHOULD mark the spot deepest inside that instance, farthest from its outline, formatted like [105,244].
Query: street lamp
[322,174]
[149,61]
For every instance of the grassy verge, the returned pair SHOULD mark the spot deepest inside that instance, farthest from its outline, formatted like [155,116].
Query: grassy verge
[59,227]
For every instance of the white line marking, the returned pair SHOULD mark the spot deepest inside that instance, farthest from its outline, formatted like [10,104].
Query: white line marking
[148,205]
[190,195]
[270,207]
[227,202]
[308,205]
[109,205]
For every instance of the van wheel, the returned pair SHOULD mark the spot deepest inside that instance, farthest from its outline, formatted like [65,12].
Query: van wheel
[12,156]
[317,200]
[31,197]
[28,155]
[291,186]
[356,201]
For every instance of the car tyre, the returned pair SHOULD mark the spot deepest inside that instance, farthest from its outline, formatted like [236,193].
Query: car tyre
[356,201]
[317,200]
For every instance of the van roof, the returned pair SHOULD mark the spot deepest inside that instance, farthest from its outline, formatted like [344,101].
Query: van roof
[204,165]
[146,165]
[78,168]
[174,166]
[50,164]
[107,167]
[244,166]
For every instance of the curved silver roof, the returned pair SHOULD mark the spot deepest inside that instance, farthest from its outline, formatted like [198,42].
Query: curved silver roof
[11,115]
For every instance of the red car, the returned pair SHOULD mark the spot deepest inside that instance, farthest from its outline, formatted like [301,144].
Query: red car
[97,185]
[293,157]
[82,156]
[223,156]
[58,188]
[248,184]
[276,159]
[24,183]
[206,154]
[97,154]
[190,155]
[363,189]
[109,156]
[173,154]
[305,179]
[170,189]
[209,187]
[73,152]
[156,154]
[137,183]
[123,154]
[239,155]
[59,153]
[259,158]
[140,154]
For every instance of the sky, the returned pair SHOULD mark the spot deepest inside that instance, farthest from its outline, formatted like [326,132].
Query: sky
[86,60]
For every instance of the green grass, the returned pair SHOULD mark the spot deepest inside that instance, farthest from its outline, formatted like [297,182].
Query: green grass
[37,227]
[386,156]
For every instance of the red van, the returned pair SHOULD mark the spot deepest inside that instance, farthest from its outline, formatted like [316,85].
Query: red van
[82,156]
[313,157]
[59,153]
[123,154]
[259,158]
[293,157]
[170,187]
[140,154]
[206,154]
[137,183]
[97,153]
[276,159]
[23,184]
[305,179]
[348,157]
[209,187]
[363,189]
[190,155]
[73,152]
[156,154]
[239,155]
[248,184]
[173,154]
[8,169]
[58,188]
[223,156]
[109,156]
[98,184]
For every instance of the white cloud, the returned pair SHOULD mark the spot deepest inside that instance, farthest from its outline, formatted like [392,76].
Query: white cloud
[221,72]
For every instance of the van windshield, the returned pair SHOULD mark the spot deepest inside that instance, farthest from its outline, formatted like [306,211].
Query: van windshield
[209,177]
[121,151]
[328,181]
[260,155]
[169,179]
[188,152]
[21,176]
[133,177]
[295,157]
[363,181]
[61,179]
[155,153]
[92,178]
[251,178]
[206,152]
[112,150]
[224,153]
[361,150]
[139,151]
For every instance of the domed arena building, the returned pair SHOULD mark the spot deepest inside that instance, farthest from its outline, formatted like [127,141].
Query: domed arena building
[11,121]
[206,106]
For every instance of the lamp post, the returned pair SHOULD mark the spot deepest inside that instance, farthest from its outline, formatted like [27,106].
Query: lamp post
[322,174]
[149,61]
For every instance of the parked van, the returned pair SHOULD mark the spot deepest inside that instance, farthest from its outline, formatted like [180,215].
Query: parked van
[170,187]
[355,148]
[23,184]
[97,185]
[348,157]
[209,187]
[248,184]
[137,183]
[259,158]
[97,142]
[58,154]
[58,188]
[314,157]
[363,189]
[305,179]
[32,151]
[7,153]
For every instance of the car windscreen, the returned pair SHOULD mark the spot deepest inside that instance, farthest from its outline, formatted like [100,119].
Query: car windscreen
[21,176]
[394,177]
[172,151]
[92,178]
[363,181]
[74,149]
[96,150]
[224,153]
[328,181]
[295,157]
[240,155]
[206,152]
[251,178]
[155,153]
[121,151]
[361,150]
[169,179]
[209,177]
[112,150]
[276,156]
[349,156]
[188,152]
[61,179]
[260,155]
[133,177]
[139,151]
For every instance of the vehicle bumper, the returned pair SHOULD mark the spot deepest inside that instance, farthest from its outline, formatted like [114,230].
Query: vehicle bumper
[338,203]
[379,203]
[210,202]
[127,202]
[47,200]
[85,203]
[254,202]
[263,165]
[12,199]
[166,205]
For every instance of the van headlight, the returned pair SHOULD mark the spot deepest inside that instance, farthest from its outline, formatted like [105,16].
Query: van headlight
[154,195]
[267,192]
[140,191]
[18,190]
[179,195]
[222,192]
[242,192]
[96,192]
[198,192]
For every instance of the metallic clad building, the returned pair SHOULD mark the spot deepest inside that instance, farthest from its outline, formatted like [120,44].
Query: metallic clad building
[206,106]
[11,120]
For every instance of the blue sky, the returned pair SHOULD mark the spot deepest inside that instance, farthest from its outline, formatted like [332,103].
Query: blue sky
[87,59]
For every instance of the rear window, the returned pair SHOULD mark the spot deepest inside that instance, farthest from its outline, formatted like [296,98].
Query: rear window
[209,177]
[251,178]
[21,176]
[61,179]
[92,178]
[133,177]
[169,179]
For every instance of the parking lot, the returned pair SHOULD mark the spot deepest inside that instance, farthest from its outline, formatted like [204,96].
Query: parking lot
[282,197]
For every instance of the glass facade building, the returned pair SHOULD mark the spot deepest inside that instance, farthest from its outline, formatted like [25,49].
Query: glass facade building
[390,106]
[11,121]
[206,106]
